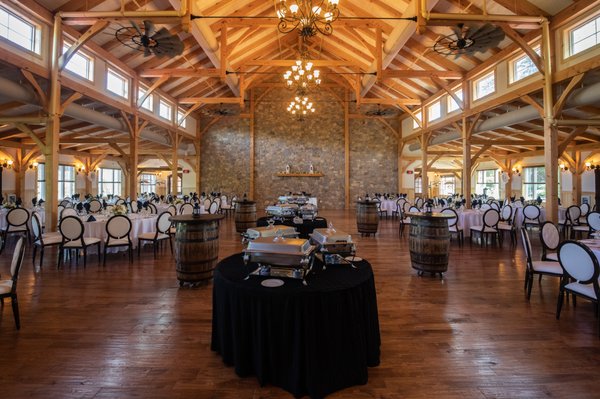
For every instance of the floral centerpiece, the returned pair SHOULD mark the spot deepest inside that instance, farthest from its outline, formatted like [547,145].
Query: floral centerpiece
[178,201]
[119,210]
[8,205]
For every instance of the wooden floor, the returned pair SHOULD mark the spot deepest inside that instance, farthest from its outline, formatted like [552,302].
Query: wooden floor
[129,331]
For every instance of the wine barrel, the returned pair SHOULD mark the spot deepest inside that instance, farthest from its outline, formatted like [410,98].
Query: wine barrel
[367,217]
[245,215]
[196,247]
[429,242]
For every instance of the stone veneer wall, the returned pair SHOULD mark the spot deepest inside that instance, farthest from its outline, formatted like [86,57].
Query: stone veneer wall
[373,159]
[280,139]
[225,158]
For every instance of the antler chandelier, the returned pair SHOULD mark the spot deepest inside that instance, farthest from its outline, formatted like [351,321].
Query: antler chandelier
[301,77]
[301,107]
[306,17]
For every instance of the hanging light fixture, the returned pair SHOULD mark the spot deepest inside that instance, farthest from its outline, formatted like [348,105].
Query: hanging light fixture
[301,106]
[307,17]
[302,77]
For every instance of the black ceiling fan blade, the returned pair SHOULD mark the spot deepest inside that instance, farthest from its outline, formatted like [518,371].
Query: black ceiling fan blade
[458,30]
[148,28]
[163,33]
[482,31]
[136,27]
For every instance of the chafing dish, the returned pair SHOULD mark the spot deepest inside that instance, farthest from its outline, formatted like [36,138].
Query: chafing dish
[308,212]
[282,210]
[333,242]
[286,257]
[271,231]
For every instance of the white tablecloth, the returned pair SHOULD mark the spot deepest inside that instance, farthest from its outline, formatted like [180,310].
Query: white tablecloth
[519,215]
[388,205]
[468,218]
[3,212]
[139,224]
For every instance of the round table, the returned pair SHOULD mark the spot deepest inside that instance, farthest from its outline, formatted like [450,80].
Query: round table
[196,246]
[309,340]
[429,241]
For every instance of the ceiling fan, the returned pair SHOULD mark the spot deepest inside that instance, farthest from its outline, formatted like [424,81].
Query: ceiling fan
[467,39]
[221,110]
[382,112]
[159,43]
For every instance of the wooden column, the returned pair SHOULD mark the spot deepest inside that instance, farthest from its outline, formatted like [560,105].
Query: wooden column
[550,130]
[400,149]
[346,151]
[424,180]
[577,172]
[53,129]
[133,161]
[198,147]
[175,164]
[252,148]
[466,173]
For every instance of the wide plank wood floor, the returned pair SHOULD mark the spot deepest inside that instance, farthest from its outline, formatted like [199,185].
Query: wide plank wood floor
[129,331]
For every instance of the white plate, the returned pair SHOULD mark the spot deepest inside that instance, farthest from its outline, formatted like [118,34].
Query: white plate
[353,259]
[272,282]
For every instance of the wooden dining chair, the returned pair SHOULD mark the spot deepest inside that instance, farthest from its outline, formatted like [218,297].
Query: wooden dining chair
[72,229]
[163,225]
[550,239]
[489,228]
[541,268]
[118,228]
[453,226]
[8,288]
[531,216]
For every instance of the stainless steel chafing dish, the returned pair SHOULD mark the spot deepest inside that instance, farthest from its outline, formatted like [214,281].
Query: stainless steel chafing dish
[308,212]
[271,231]
[333,242]
[282,210]
[279,256]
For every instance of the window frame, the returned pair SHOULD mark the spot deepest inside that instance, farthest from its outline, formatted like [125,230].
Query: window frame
[495,183]
[476,96]
[40,184]
[168,104]
[181,122]
[419,183]
[113,182]
[525,183]
[124,78]
[419,116]
[451,101]
[152,183]
[62,182]
[36,39]
[438,102]
[513,62]
[89,58]
[149,99]
[443,183]
[568,39]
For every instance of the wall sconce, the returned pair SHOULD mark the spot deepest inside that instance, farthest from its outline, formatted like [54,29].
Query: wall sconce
[516,170]
[591,166]
[6,164]
[33,165]
[563,167]
[81,169]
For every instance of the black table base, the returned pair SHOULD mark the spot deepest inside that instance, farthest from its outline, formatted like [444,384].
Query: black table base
[309,340]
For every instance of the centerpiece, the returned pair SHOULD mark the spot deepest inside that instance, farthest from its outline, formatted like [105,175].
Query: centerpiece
[119,209]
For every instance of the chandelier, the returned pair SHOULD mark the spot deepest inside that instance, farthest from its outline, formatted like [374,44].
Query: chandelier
[300,106]
[301,76]
[306,17]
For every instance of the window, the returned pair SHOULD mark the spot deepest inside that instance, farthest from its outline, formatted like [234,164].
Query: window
[165,110]
[434,111]
[109,181]
[534,183]
[418,184]
[80,64]
[419,116]
[66,181]
[485,86]
[523,67]
[20,32]
[170,186]
[180,118]
[487,183]
[453,105]
[41,181]
[447,185]
[584,36]
[147,183]
[117,84]
[148,103]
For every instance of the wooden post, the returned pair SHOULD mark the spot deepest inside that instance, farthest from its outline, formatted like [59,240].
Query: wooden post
[466,174]
[53,129]
[252,149]
[579,168]
[400,149]
[346,152]
[550,130]
[133,159]
[424,179]
[198,147]
[175,164]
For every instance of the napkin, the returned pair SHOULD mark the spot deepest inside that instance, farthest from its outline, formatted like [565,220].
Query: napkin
[91,219]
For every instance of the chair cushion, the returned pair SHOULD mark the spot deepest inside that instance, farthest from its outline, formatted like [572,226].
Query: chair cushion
[5,286]
[552,256]
[583,289]
[50,240]
[117,242]
[14,229]
[487,229]
[547,267]
[580,228]
[505,226]
[150,236]
[86,240]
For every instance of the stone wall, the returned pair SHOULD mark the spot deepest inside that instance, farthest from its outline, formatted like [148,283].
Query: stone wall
[281,139]
[225,161]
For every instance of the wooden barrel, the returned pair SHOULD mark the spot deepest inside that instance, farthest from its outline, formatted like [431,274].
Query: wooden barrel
[245,216]
[429,242]
[196,247]
[367,217]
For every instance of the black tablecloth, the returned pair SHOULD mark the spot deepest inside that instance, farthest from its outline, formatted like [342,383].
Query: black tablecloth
[304,229]
[309,340]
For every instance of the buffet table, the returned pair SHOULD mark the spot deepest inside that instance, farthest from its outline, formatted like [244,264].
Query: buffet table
[304,229]
[309,340]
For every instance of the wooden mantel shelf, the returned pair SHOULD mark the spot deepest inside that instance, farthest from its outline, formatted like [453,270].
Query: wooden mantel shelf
[283,174]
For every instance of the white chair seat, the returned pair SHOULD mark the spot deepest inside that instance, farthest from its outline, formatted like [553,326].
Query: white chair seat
[406,220]
[226,207]
[117,242]
[552,256]
[487,229]
[5,286]
[86,240]
[562,221]
[583,289]
[13,229]
[547,267]
[580,228]
[505,226]
[50,240]
[150,236]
